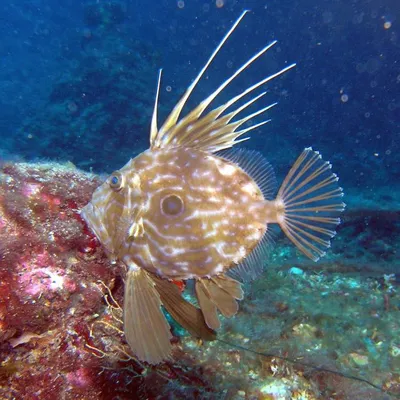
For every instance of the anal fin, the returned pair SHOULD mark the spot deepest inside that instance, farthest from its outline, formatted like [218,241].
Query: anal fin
[253,264]
[146,328]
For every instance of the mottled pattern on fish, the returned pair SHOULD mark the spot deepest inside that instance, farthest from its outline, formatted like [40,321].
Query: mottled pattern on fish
[219,215]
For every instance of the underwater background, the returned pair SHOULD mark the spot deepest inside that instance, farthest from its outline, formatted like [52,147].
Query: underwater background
[77,87]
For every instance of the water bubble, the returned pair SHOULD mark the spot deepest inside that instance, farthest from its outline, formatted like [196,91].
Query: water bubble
[388,152]
[387,25]
[168,88]
[219,3]
[180,4]
[367,114]
[344,98]
[374,84]
[229,64]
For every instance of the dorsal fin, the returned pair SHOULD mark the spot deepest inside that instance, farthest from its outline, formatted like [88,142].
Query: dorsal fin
[256,166]
[211,132]
[154,128]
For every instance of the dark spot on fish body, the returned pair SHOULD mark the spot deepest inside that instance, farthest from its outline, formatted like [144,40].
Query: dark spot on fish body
[172,205]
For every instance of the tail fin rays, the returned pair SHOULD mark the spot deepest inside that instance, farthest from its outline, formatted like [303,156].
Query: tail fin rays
[310,199]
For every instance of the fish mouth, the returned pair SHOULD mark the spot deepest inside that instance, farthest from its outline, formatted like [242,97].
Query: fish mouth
[92,216]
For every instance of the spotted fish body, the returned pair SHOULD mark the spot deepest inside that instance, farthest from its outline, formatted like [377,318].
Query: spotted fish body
[183,210]
[218,219]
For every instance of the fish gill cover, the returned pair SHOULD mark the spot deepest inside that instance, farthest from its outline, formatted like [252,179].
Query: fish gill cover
[77,88]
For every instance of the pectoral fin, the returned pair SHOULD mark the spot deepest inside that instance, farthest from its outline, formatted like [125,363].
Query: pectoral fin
[146,328]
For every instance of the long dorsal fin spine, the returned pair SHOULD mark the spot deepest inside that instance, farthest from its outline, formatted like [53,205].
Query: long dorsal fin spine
[201,125]
[198,111]
[174,116]
[233,114]
[215,114]
[192,116]
[213,131]
[269,78]
[240,122]
[250,128]
[256,86]
[188,134]
[154,128]
[205,103]
[234,135]
[235,125]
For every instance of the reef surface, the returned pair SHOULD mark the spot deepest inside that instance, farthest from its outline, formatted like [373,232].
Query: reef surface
[304,331]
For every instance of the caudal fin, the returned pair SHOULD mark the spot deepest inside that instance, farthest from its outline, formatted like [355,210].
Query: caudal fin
[309,203]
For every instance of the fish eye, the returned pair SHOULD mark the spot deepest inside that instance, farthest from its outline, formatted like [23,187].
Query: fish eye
[116,181]
[172,205]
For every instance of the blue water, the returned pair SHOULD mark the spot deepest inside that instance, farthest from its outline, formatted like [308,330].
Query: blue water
[77,79]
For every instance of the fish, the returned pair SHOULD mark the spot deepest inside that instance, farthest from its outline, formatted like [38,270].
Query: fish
[194,207]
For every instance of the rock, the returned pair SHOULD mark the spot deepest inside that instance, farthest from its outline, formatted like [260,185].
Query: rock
[296,271]
[359,359]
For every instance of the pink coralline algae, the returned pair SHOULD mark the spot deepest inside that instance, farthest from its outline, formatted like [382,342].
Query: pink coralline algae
[50,268]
